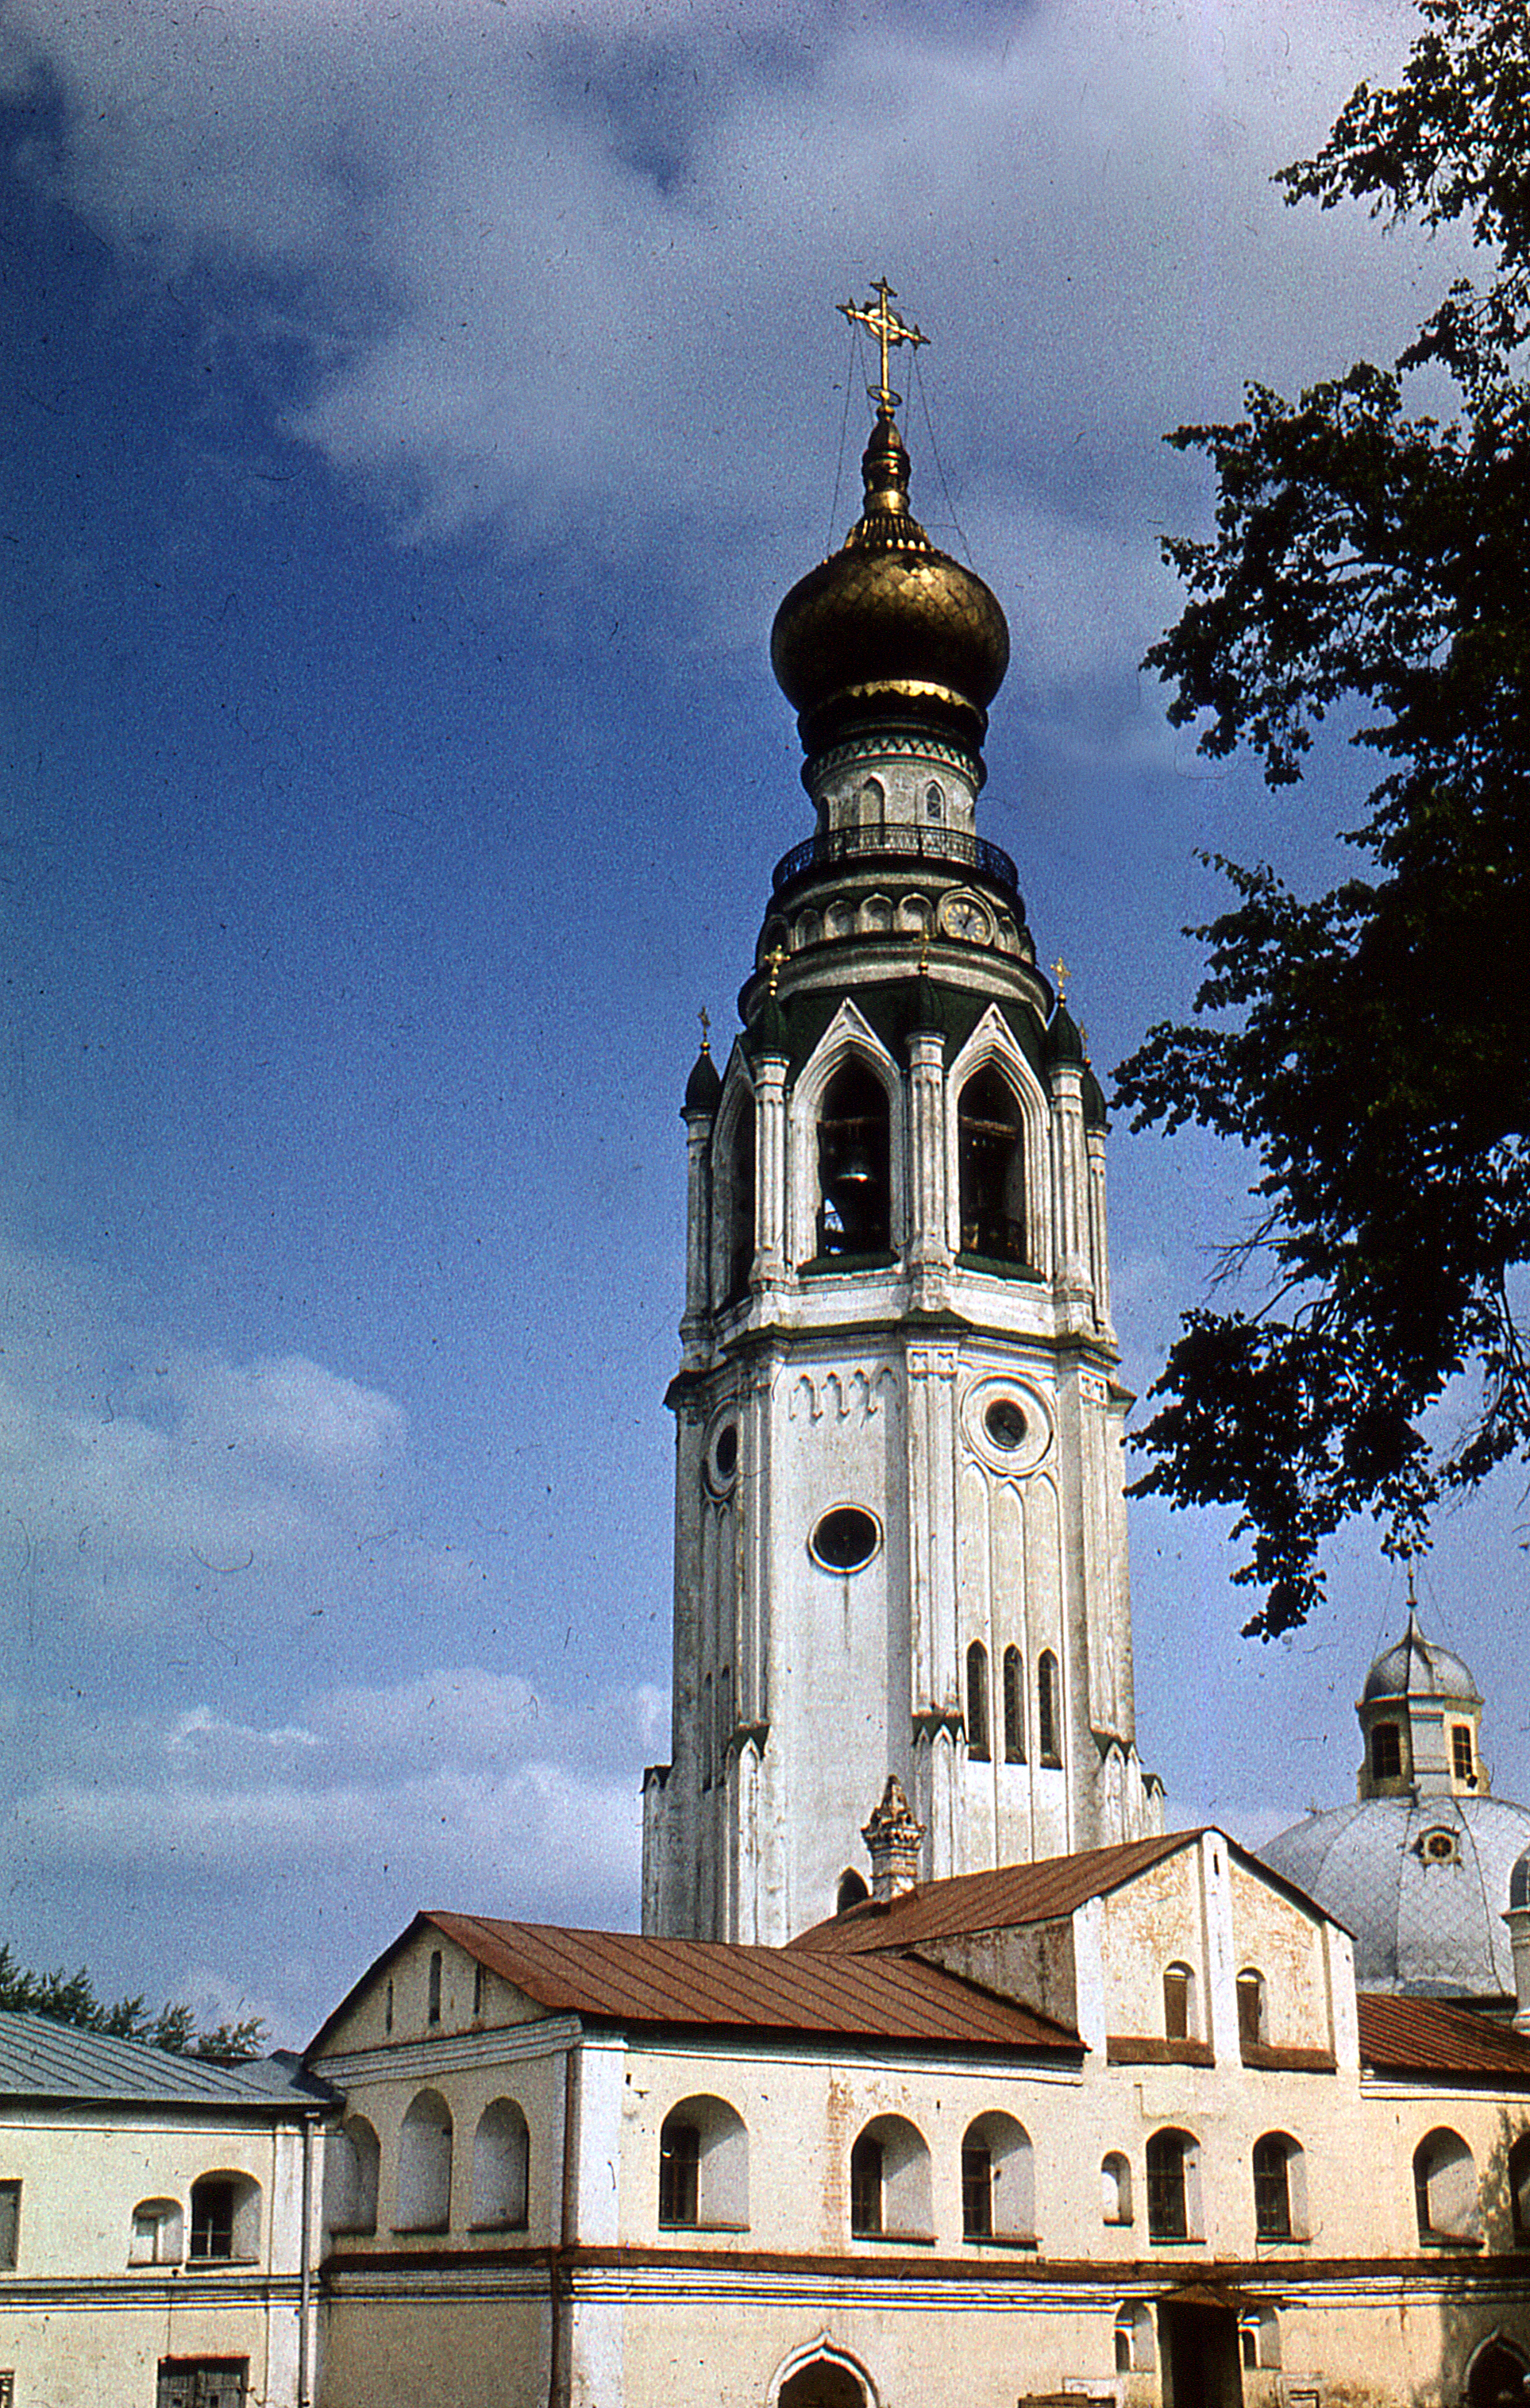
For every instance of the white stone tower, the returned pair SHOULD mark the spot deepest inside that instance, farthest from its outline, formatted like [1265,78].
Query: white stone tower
[900,1541]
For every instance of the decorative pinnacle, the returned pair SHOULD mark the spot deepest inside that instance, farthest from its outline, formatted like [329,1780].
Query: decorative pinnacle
[890,330]
[1061,973]
[705,1030]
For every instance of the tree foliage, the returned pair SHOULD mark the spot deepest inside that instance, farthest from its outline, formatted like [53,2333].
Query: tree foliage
[1370,1045]
[71,1998]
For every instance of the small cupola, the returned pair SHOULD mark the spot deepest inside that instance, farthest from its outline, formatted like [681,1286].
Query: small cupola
[1421,1714]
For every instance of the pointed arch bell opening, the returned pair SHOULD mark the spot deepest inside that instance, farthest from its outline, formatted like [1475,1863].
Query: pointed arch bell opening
[854,1165]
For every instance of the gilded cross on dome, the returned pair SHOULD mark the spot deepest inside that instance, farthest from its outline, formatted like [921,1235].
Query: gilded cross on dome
[888,329]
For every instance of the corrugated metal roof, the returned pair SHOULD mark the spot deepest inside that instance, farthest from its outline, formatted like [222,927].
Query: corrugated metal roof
[43,2059]
[1426,2036]
[990,1901]
[619,1977]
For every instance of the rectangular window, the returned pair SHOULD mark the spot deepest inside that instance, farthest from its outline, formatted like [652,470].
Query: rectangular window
[680,2161]
[1461,1751]
[212,2219]
[1386,1752]
[977,2193]
[433,2005]
[8,2387]
[10,2221]
[866,2186]
[202,2382]
[478,1989]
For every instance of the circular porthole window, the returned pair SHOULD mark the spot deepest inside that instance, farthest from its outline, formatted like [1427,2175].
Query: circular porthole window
[1440,1847]
[1005,1425]
[845,1538]
[722,1456]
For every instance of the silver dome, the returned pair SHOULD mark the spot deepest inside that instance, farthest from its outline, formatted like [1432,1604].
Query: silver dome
[1421,1882]
[1416,1668]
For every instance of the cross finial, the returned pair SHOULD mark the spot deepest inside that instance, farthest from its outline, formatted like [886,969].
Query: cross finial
[888,329]
[774,960]
[706,1029]
[1083,1042]
[924,952]
[1062,974]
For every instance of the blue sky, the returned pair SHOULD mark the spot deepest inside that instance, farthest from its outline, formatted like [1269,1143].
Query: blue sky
[411,418]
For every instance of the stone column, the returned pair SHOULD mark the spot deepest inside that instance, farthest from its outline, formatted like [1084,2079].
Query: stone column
[770,1170]
[929,1241]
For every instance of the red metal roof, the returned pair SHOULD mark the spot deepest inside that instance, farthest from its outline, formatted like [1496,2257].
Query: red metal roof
[1043,1892]
[1428,2036]
[618,1977]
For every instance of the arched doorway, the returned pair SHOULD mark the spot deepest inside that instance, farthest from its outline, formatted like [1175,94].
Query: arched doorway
[822,2383]
[1497,2379]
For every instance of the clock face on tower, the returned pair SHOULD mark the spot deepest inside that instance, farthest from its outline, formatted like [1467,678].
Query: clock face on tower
[963,915]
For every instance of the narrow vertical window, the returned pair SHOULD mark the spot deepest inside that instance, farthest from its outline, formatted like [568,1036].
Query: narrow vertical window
[679,2158]
[433,2009]
[477,1990]
[865,2186]
[1386,1752]
[388,2009]
[1048,1716]
[740,1207]
[1014,1707]
[1168,2157]
[1179,2002]
[977,1702]
[10,2222]
[977,2190]
[1251,2008]
[1461,1754]
[1271,2188]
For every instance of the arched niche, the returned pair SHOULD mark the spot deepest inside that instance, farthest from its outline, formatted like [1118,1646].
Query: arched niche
[998,2180]
[501,2154]
[157,2235]
[425,2165]
[1444,2190]
[704,2167]
[351,2157]
[890,2181]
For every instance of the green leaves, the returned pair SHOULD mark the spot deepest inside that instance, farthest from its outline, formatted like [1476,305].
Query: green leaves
[71,1998]
[1369,1046]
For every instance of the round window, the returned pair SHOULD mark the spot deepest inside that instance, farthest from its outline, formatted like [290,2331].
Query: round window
[1006,1423]
[722,1456]
[846,1537]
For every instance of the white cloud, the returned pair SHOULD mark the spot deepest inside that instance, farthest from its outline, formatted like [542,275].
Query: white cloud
[134,1471]
[503,237]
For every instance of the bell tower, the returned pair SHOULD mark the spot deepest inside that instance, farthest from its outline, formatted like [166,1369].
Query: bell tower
[900,1543]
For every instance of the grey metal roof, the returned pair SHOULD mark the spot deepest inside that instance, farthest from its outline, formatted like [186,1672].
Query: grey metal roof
[41,2059]
[1417,1667]
[1423,1927]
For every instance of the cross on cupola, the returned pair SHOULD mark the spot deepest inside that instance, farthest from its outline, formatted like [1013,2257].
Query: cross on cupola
[889,330]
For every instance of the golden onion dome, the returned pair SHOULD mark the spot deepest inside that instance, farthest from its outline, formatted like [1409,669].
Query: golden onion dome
[888,627]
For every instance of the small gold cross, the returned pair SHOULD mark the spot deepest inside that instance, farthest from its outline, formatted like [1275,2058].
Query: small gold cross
[705,1030]
[888,329]
[773,962]
[1062,974]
